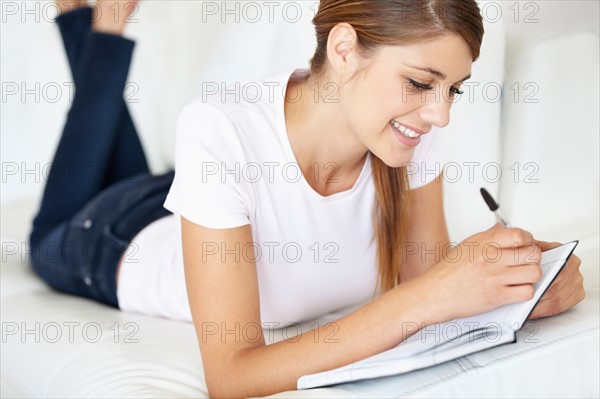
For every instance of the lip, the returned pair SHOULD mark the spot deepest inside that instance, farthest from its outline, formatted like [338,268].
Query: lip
[409,142]
[414,129]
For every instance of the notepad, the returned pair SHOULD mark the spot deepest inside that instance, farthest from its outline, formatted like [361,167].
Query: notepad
[442,342]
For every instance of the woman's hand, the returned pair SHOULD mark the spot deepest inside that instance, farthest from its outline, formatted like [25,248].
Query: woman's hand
[485,271]
[565,292]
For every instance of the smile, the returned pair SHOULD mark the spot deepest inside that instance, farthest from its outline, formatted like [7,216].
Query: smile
[406,136]
[404,130]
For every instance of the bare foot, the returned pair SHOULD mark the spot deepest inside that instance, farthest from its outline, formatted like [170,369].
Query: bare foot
[110,16]
[69,5]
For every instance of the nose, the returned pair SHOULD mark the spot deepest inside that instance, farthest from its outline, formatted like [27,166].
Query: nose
[436,112]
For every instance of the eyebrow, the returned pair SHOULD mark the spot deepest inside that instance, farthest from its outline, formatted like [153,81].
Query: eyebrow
[435,73]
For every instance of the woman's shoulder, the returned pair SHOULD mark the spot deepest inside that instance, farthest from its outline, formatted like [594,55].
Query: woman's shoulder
[246,99]
[229,118]
[205,128]
[227,114]
[204,113]
[245,114]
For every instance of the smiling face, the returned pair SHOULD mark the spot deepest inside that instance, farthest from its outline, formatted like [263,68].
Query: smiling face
[395,92]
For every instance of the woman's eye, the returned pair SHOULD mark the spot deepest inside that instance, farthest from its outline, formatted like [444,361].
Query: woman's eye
[456,90]
[420,86]
[423,86]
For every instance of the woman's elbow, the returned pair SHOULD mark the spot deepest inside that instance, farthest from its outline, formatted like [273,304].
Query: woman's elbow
[228,386]
[227,381]
[219,387]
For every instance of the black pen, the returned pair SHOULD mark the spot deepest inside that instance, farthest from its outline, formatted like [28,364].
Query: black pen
[494,207]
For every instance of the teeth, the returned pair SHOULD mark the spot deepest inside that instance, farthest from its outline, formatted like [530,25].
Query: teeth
[405,131]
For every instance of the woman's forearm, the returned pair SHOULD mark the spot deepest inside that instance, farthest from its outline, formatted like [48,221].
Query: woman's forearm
[373,328]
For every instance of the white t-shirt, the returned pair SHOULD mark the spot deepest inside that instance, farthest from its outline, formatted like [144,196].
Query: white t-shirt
[234,165]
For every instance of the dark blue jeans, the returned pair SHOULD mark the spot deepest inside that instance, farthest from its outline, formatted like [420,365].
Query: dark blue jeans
[100,192]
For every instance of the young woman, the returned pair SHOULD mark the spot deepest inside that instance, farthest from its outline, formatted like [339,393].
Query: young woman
[261,246]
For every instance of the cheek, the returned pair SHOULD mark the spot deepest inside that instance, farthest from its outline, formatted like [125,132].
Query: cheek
[369,109]
[395,102]
[364,110]
[406,102]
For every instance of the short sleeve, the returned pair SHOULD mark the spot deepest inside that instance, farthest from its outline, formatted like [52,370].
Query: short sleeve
[428,159]
[206,189]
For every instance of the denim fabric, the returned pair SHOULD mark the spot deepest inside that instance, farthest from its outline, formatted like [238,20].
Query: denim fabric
[85,223]
[80,256]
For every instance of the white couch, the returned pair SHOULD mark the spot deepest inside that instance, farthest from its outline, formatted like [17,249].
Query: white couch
[550,138]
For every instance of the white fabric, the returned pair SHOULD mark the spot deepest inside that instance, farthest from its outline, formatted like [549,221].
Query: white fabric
[305,244]
[151,279]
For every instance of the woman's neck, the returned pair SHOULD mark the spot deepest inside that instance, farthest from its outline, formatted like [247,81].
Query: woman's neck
[319,135]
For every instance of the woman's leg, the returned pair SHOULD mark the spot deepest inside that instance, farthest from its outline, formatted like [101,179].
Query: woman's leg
[127,158]
[99,144]
[80,256]
[73,25]
[87,220]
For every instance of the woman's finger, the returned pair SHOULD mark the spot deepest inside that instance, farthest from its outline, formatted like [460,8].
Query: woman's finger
[507,237]
[545,245]
[569,272]
[524,274]
[565,299]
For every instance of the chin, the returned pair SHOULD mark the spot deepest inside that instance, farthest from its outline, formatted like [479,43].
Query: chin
[395,156]
[396,160]
[393,153]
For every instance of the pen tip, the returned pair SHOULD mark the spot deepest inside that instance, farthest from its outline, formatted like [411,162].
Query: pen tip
[488,199]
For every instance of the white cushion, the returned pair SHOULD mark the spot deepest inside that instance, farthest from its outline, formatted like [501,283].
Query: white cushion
[553,139]
[140,356]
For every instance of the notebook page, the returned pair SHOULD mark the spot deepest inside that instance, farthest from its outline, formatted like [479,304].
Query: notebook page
[390,362]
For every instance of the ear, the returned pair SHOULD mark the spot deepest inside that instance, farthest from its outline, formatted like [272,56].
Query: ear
[341,48]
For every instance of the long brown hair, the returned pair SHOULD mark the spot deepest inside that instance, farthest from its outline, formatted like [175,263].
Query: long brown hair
[394,22]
